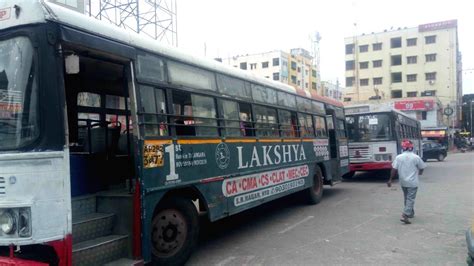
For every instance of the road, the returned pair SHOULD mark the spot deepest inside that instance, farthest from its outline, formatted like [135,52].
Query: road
[356,223]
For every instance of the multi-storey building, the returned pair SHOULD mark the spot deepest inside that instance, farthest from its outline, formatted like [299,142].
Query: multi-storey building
[331,90]
[406,63]
[295,68]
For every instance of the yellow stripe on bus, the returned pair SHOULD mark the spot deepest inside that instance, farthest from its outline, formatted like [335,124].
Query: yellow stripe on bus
[240,140]
[199,141]
[157,142]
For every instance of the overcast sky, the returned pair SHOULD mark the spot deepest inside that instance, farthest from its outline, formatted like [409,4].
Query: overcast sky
[223,28]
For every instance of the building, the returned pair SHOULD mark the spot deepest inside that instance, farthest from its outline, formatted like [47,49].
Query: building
[331,90]
[295,68]
[408,63]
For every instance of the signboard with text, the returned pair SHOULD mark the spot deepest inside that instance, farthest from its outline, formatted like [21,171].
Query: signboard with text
[414,105]
[438,25]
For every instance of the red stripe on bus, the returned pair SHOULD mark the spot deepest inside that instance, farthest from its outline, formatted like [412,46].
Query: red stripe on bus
[137,247]
[212,179]
[370,166]
[63,249]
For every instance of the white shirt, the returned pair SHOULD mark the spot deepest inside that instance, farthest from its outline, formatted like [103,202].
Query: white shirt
[408,164]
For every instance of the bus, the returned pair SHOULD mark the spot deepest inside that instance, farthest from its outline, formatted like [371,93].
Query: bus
[375,133]
[112,146]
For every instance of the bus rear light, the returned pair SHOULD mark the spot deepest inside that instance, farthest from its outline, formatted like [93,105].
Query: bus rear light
[382,149]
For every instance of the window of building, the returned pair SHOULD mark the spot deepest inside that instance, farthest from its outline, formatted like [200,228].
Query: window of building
[411,42]
[293,65]
[276,76]
[313,85]
[363,48]
[396,60]
[265,64]
[349,81]
[350,65]
[347,99]
[299,69]
[412,59]
[412,94]
[364,65]
[396,42]
[397,94]
[430,57]
[349,48]
[411,77]
[313,73]
[364,82]
[306,85]
[430,76]
[276,61]
[396,77]
[377,63]
[377,81]
[293,79]
[429,93]
[430,39]
[253,66]
[299,82]
[243,65]
[377,46]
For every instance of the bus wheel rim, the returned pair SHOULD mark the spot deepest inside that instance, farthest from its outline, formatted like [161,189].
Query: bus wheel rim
[169,233]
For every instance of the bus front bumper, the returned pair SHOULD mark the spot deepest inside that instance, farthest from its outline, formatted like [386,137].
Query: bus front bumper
[370,166]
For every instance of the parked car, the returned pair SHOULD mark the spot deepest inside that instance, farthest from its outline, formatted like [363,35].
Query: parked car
[433,150]
[470,245]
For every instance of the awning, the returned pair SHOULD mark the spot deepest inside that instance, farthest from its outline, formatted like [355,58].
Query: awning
[433,133]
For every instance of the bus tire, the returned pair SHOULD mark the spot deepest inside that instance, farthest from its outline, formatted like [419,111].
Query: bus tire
[174,232]
[314,194]
[348,175]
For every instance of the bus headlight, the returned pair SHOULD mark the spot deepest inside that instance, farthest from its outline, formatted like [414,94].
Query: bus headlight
[7,222]
[378,157]
[386,157]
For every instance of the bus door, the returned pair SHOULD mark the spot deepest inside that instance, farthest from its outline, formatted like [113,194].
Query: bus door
[333,144]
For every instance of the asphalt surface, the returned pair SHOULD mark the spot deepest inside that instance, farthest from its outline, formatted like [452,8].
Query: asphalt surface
[356,223]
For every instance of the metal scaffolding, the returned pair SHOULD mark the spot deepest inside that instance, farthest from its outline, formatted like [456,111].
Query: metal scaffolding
[154,18]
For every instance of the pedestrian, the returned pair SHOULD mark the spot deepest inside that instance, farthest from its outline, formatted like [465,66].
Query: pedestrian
[408,166]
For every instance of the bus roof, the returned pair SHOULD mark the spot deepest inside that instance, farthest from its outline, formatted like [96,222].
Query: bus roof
[39,11]
[371,108]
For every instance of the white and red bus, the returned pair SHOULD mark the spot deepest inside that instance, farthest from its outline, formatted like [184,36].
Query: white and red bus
[375,133]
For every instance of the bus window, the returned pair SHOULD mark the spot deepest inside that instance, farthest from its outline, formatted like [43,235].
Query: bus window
[115,102]
[263,94]
[245,115]
[88,99]
[341,129]
[288,124]
[286,99]
[351,127]
[233,86]
[150,68]
[266,122]
[193,77]
[195,115]
[153,105]
[304,104]
[231,123]
[320,125]
[306,125]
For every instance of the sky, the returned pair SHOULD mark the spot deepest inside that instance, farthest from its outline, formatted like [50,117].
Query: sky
[224,28]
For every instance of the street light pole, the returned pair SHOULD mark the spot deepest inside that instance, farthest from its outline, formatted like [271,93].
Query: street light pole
[470,116]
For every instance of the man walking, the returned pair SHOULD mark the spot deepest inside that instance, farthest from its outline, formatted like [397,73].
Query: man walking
[408,165]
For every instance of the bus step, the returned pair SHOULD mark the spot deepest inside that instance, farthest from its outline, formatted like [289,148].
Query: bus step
[83,205]
[92,225]
[99,251]
[125,262]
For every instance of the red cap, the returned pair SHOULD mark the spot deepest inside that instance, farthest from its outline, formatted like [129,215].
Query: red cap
[406,144]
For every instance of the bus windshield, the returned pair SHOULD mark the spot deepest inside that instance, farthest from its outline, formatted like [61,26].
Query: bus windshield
[368,127]
[18,94]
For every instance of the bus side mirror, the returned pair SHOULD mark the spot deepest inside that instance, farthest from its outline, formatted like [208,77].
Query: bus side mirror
[72,64]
